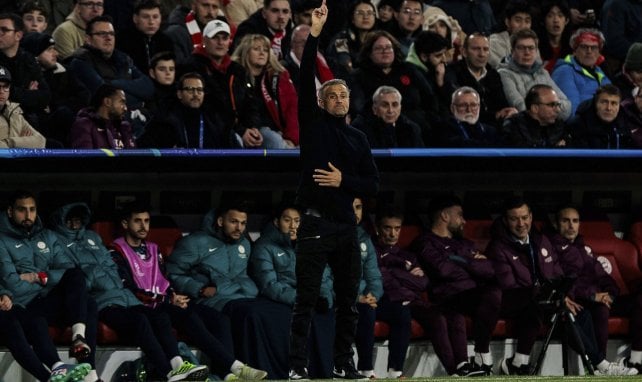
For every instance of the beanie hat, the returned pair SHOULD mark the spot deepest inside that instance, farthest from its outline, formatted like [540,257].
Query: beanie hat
[36,43]
[633,60]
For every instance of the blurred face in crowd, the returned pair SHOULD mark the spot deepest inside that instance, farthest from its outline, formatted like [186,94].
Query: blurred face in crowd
[116,105]
[518,221]
[364,17]
[288,222]
[299,35]
[357,206]
[387,107]
[568,223]
[638,100]
[525,52]
[74,223]
[259,54]
[466,107]
[164,72]
[191,93]
[34,21]
[383,52]
[206,10]
[518,21]
[5,90]
[88,9]
[103,38]
[555,22]
[410,16]
[148,21]
[635,76]
[277,14]
[436,58]
[9,36]
[23,213]
[233,224]
[547,109]
[303,17]
[454,217]
[607,107]
[217,46]
[440,28]
[587,53]
[335,99]
[48,58]
[477,52]
[136,227]
[389,230]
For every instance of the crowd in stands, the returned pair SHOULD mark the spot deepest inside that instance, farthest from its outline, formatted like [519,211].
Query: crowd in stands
[224,73]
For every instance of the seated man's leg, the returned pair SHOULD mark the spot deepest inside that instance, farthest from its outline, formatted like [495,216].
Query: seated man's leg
[434,322]
[519,304]
[364,339]
[399,318]
[631,306]
[14,338]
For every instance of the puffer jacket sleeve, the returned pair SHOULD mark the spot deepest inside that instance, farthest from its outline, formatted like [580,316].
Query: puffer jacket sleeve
[181,266]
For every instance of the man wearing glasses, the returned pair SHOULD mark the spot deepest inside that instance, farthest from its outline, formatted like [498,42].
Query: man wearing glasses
[409,19]
[70,35]
[464,129]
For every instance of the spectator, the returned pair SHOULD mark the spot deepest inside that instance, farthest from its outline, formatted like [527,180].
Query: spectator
[385,126]
[40,276]
[71,35]
[473,16]
[517,16]
[463,128]
[598,123]
[293,60]
[274,90]
[343,50]
[29,88]
[228,89]
[368,297]
[381,63]
[70,95]
[578,75]
[523,69]
[409,18]
[622,26]
[386,11]
[144,40]
[585,13]
[539,125]
[630,75]
[162,71]
[302,11]
[554,32]
[475,72]
[34,16]
[274,21]
[15,131]
[58,11]
[238,11]
[101,125]
[632,113]
[447,27]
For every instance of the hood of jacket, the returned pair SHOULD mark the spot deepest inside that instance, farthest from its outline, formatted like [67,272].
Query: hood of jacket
[414,59]
[58,220]
[208,225]
[273,235]
[8,228]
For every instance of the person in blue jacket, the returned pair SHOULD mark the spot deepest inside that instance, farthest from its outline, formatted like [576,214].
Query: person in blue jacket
[272,266]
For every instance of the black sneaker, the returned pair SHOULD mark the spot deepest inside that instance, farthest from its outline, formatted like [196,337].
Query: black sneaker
[486,370]
[299,374]
[347,371]
[468,370]
[627,362]
[508,368]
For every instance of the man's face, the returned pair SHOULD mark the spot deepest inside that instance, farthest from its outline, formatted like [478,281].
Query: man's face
[336,100]
[23,213]
[587,53]
[568,223]
[383,52]
[233,224]
[9,37]
[148,21]
[607,107]
[387,107]
[410,16]
[389,230]
[34,21]
[103,38]
[217,46]
[191,93]
[5,90]
[48,58]
[519,220]
[88,9]
[518,21]
[116,105]
[206,10]
[357,206]
[137,226]
[386,13]
[555,21]
[466,108]
[525,52]
[74,223]
[455,220]
[288,222]
[164,72]
[477,52]
[636,76]
[277,14]
[303,18]
[298,42]
[547,109]
[436,58]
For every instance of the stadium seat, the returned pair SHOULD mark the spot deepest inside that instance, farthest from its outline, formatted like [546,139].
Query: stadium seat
[408,234]
[106,229]
[479,232]
[165,237]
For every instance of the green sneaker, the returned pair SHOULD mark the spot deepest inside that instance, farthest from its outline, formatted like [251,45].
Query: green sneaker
[69,372]
[250,373]
[188,372]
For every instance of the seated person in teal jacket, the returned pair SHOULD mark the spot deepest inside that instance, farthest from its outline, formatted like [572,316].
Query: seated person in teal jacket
[272,265]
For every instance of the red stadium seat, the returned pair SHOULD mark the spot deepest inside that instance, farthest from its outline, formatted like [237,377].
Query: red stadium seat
[166,238]
[408,234]
[479,232]
[106,230]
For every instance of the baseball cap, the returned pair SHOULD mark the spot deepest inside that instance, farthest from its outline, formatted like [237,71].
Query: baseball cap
[5,75]
[214,27]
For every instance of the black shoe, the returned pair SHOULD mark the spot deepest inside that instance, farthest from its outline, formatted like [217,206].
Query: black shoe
[79,349]
[347,371]
[508,368]
[299,374]
[626,362]
[487,370]
[468,370]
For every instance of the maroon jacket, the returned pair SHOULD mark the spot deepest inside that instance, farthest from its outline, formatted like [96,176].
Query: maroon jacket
[577,259]
[398,283]
[90,131]
[451,267]
[512,261]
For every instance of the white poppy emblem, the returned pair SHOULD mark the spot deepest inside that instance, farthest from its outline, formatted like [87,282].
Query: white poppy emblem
[91,242]
[41,245]
[606,264]
[241,249]
[364,247]
[544,252]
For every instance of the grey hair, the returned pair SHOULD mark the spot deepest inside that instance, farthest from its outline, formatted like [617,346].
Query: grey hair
[461,91]
[381,90]
[328,83]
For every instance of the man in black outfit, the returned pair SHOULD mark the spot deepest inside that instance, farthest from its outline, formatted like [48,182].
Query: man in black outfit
[337,165]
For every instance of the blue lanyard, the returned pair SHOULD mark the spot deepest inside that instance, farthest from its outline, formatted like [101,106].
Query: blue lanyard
[200,133]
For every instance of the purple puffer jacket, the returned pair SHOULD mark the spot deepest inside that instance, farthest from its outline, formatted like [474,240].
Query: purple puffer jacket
[398,283]
[511,259]
[577,259]
[90,131]
[451,265]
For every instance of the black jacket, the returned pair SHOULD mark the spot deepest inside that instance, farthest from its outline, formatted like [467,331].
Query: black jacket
[256,24]
[405,133]
[588,131]
[142,48]
[522,131]
[24,69]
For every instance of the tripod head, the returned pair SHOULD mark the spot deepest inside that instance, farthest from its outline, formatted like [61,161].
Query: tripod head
[552,292]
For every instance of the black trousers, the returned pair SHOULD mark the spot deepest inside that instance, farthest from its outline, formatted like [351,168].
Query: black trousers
[15,340]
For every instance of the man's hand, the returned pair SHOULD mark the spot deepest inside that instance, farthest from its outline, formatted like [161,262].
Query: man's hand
[440,72]
[572,306]
[319,16]
[31,277]
[209,291]
[252,137]
[604,298]
[325,178]
[417,271]
[368,299]
[505,113]
[5,302]
[179,300]
[33,85]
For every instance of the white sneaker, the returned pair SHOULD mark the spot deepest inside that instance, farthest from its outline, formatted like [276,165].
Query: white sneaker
[368,374]
[394,374]
[616,368]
